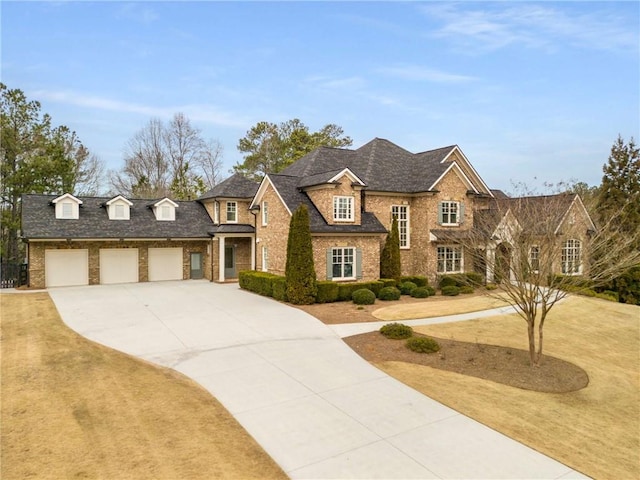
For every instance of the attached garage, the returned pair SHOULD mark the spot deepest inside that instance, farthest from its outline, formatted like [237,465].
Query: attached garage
[65,268]
[165,264]
[118,265]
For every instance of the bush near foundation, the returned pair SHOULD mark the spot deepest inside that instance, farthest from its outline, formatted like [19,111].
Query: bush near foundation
[420,292]
[389,293]
[364,296]
[407,287]
[419,280]
[327,292]
[450,291]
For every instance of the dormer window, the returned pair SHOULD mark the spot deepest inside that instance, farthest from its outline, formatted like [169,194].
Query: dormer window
[232,212]
[165,210]
[67,207]
[67,210]
[343,209]
[118,208]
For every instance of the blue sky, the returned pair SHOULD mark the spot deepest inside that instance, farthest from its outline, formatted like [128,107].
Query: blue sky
[531,92]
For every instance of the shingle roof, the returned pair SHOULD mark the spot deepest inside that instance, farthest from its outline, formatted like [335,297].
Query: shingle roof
[39,222]
[236,186]
[380,164]
[293,197]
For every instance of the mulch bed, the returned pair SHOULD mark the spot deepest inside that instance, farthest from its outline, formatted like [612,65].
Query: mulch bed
[504,365]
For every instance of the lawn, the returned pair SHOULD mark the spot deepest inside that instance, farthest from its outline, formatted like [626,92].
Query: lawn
[75,409]
[595,430]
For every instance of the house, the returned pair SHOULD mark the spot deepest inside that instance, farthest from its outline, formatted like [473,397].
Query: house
[437,196]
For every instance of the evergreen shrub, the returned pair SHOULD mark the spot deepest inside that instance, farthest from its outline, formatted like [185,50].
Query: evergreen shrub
[423,345]
[450,291]
[396,331]
[389,293]
[364,296]
[407,287]
[327,292]
[420,292]
[419,280]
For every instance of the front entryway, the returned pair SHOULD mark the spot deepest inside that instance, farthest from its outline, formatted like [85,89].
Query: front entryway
[196,266]
[230,261]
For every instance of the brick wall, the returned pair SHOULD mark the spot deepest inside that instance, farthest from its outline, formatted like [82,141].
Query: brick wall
[370,246]
[322,198]
[274,235]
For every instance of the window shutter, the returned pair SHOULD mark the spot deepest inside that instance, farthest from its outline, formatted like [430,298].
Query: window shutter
[440,219]
[461,209]
[358,264]
[329,264]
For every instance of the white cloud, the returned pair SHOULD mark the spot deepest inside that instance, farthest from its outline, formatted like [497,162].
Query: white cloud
[419,73]
[487,28]
[138,12]
[196,112]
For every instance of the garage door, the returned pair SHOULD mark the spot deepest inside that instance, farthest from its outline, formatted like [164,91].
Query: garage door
[118,265]
[165,264]
[64,268]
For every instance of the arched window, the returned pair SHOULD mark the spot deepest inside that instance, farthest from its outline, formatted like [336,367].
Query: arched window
[571,255]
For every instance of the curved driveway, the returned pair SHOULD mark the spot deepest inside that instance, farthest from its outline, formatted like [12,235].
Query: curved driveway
[313,404]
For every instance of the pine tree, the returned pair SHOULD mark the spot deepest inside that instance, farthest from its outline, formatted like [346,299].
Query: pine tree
[620,189]
[390,258]
[300,271]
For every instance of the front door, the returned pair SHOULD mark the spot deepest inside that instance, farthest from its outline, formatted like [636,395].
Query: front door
[196,266]
[230,262]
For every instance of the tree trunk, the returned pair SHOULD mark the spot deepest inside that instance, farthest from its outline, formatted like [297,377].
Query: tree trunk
[532,342]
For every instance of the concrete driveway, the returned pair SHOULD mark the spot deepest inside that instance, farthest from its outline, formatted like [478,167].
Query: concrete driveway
[314,405]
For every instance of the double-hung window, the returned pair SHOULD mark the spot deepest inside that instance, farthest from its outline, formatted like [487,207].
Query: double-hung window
[450,213]
[343,209]
[401,212]
[571,253]
[449,259]
[534,258]
[343,263]
[216,212]
[232,212]
[265,214]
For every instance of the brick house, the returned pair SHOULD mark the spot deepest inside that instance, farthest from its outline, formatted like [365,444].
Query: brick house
[351,195]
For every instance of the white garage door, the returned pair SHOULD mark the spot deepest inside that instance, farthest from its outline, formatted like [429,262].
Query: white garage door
[165,264]
[118,265]
[64,268]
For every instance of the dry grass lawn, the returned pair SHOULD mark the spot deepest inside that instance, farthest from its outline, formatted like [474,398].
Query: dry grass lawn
[74,409]
[439,306]
[595,430]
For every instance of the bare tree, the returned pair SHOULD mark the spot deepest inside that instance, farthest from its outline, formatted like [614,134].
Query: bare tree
[210,164]
[167,160]
[541,248]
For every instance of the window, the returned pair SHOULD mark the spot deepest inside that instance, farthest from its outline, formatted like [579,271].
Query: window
[265,259]
[343,209]
[216,212]
[342,263]
[449,259]
[165,212]
[119,210]
[401,212]
[232,213]
[265,213]
[450,213]
[571,252]
[534,258]
[67,210]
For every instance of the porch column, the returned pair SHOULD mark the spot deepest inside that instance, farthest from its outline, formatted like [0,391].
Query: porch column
[490,253]
[253,252]
[221,259]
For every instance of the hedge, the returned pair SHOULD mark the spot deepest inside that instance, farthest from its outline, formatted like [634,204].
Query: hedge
[257,282]
[327,292]
[419,280]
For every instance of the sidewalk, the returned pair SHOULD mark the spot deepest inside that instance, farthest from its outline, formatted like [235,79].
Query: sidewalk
[314,405]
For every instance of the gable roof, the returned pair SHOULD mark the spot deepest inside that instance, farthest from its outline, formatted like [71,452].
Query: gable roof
[383,166]
[236,186]
[39,222]
[287,186]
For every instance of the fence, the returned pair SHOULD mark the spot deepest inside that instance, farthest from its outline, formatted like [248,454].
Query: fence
[13,275]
